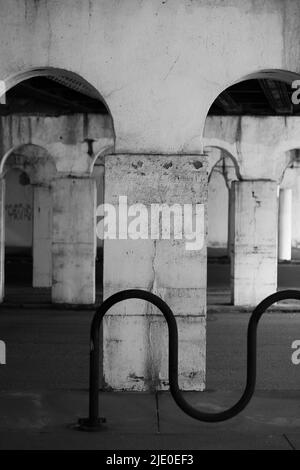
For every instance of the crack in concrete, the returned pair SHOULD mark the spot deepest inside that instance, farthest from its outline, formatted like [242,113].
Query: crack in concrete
[171,67]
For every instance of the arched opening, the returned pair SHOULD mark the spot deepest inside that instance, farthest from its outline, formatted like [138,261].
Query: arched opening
[50,111]
[221,175]
[62,89]
[254,117]
[27,174]
[288,222]
[18,228]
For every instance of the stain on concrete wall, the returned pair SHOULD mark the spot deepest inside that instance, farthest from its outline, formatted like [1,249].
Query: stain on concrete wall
[18,211]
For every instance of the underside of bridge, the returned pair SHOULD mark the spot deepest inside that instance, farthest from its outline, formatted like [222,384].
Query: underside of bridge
[108,103]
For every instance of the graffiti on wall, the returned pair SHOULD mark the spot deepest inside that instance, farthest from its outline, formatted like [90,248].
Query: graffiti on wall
[19,212]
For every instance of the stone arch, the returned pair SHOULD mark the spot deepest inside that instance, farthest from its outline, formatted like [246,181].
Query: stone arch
[230,174]
[62,76]
[285,148]
[256,190]
[74,81]
[280,75]
[30,156]
[72,187]
[232,143]
[101,153]
[227,149]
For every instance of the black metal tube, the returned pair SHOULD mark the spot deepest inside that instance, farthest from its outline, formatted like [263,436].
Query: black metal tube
[93,420]
[94,377]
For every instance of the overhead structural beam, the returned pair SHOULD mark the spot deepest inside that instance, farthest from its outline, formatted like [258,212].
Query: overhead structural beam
[54,99]
[277,96]
[228,104]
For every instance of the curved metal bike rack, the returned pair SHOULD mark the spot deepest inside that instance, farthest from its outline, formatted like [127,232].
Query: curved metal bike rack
[94,423]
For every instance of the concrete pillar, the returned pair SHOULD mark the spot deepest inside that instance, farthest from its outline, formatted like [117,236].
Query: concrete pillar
[2,237]
[42,236]
[135,334]
[254,255]
[230,220]
[296,210]
[74,241]
[285,225]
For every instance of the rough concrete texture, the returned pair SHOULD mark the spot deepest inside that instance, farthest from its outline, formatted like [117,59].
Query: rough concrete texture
[145,105]
[136,352]
[18,209]
[34,160]
[64,138]
[254,248]
[164,267]
[260,146]
[42,236]
[47,420]
[74,241]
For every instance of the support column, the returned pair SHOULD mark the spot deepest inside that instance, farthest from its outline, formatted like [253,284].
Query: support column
[74,241]
[254,255]
[285,225]
[230,220]
[2,237]
[42,236]
[135,334]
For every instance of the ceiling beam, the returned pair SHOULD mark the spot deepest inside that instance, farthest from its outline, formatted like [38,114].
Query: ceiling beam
[277,96]
[228,104]
[53,99]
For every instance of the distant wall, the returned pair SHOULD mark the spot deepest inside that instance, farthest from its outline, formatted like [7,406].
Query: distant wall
[18,210]
[292,180]
[217,211]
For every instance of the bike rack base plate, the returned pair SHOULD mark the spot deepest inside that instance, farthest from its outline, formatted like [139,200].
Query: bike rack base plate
[84,424]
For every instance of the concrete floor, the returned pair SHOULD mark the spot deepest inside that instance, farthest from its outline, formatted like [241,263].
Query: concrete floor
[48,350]
[18,290]
[46,420]
[43,386]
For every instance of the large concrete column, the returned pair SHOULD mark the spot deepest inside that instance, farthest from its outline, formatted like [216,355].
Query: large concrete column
[285,225]
[2,236]
[254,248]
[74,241]
[135,334]
[42,236]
